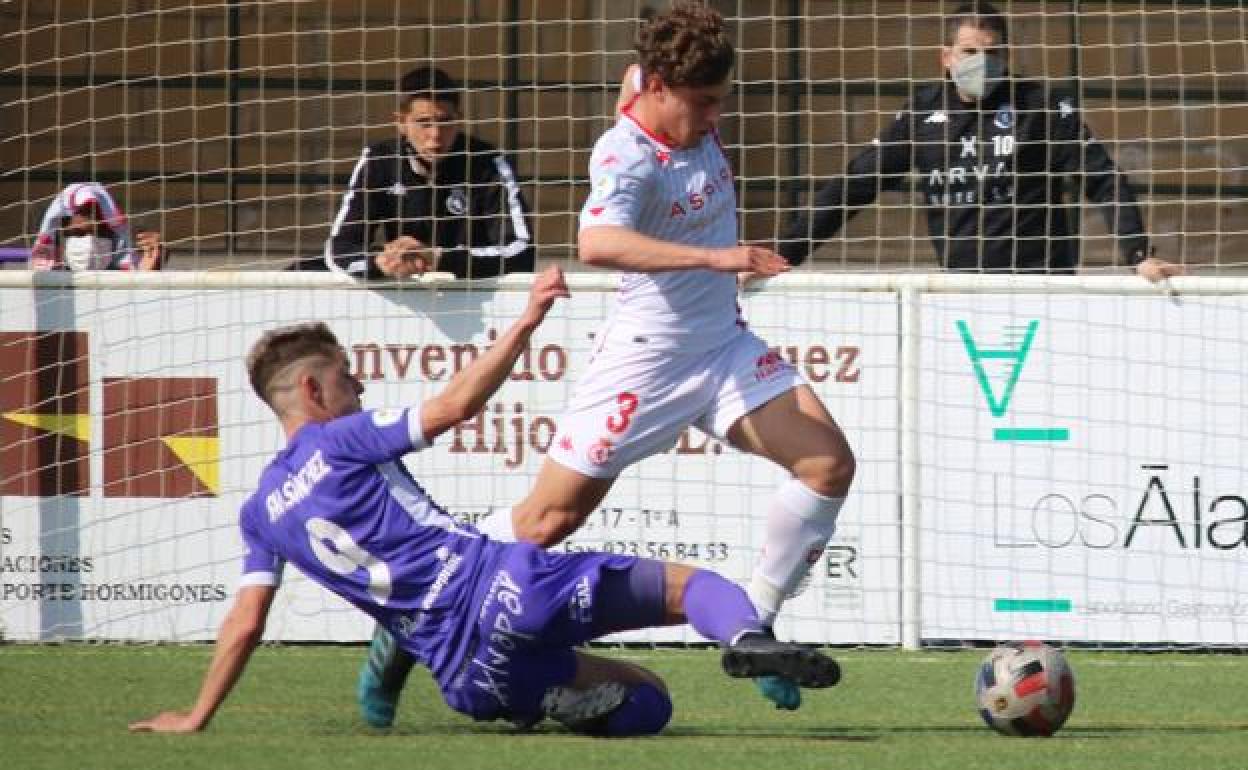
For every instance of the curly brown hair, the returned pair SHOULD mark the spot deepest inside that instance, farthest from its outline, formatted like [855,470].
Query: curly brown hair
[686,46]
[277,349]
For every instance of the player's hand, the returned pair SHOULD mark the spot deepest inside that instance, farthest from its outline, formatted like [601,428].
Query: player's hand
[151,250]
[749,259]
[167,722]
[403,257]
[1154,269]
[548,286]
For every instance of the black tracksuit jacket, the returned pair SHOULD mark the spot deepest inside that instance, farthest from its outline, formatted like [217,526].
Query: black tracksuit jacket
[1001,180]
[472,209]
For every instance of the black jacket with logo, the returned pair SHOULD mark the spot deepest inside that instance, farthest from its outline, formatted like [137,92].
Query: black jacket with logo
[472,210]
[1000,179]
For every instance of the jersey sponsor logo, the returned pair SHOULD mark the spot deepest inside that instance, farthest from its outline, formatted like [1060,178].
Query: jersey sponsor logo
[596,211]
[443,578]
[1004,117]
[701,195]
[936,117]
[457,201]
[297,486]
[1065,108]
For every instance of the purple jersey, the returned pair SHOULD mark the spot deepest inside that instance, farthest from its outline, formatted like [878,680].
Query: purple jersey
[338,504]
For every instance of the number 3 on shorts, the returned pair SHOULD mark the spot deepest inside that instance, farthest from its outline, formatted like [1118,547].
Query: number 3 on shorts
[618,423]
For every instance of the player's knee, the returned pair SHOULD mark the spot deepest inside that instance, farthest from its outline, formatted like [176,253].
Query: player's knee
[647,711]
[829,474]
[545,528]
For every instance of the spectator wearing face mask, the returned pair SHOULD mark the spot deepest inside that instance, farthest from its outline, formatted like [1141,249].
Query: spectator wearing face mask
[1001,163]
[85,229]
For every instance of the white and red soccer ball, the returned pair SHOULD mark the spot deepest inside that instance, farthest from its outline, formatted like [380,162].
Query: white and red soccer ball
[1025,688]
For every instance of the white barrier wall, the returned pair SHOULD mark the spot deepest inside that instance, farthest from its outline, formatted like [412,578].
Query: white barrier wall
[1040,416]
[1082,468]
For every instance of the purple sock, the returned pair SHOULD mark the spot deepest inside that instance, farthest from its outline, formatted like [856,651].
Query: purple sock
[718,608]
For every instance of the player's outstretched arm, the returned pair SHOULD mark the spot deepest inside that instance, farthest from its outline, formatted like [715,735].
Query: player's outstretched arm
[240,632]
[620,248]
[468,391]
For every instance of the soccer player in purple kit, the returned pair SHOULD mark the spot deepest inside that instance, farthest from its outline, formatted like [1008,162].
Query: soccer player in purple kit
[496,623]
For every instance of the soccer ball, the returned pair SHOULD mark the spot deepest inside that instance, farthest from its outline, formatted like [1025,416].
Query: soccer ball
[1025,688]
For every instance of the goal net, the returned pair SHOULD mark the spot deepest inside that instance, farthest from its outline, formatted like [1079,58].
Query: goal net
[1036,458]
[233,127]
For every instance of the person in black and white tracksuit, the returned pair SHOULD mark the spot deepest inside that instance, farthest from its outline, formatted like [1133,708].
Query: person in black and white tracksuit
[1000,162]
[443,201]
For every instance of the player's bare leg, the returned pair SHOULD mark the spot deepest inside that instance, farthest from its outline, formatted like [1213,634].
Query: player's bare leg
[795,431]
[558,504]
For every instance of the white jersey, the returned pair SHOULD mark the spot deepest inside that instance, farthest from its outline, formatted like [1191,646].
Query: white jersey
[675,195]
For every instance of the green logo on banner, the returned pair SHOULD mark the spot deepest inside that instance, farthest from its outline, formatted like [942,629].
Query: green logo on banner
[1014,358]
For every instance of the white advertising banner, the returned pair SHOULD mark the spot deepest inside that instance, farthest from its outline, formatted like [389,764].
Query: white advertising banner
[129,437]
[1082,468]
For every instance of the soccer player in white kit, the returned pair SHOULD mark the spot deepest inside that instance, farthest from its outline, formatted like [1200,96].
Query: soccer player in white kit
[675,351]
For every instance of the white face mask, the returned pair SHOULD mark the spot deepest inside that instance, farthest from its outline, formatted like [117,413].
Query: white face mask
[88,252]
[978,74]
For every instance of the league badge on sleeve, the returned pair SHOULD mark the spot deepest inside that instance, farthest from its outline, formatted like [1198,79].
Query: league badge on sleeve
[604,185]
[383,418]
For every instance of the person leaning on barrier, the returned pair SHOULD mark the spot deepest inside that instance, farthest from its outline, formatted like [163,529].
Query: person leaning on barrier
[84,229]
[443,201]
[1000,161]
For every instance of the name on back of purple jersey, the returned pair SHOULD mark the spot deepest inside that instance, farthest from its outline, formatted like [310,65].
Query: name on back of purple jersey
[297,486]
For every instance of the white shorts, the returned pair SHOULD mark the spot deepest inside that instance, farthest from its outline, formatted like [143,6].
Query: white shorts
[633,402]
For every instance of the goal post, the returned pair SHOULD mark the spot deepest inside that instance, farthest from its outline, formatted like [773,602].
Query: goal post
[1055,458]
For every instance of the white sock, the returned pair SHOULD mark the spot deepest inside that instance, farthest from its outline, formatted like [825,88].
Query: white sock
[498,525]
[800,522]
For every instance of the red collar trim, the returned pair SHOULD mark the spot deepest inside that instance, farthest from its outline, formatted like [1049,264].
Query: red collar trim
[667,144]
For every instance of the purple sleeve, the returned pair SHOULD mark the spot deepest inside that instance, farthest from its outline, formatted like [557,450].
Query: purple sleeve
[262,566]
[375,435]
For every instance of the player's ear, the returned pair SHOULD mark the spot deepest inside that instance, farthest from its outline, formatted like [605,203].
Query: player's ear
[311,389]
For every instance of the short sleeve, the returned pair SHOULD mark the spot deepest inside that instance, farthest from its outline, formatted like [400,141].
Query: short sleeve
[375,435]
[262,566]
[619,178]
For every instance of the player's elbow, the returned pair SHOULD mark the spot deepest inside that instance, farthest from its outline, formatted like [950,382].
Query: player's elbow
[592,248]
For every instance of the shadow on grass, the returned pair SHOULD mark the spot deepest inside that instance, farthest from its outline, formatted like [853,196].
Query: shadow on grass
[555,732]
[845,733]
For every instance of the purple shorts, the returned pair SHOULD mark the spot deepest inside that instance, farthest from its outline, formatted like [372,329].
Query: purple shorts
[536,607]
